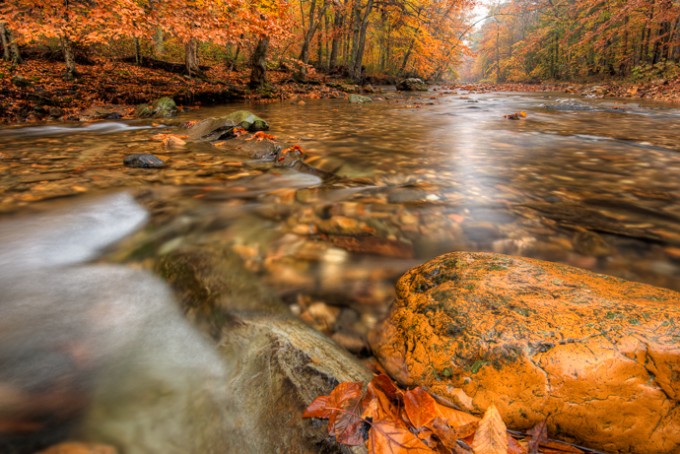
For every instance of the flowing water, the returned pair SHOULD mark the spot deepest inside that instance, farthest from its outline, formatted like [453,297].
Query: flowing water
[591,183]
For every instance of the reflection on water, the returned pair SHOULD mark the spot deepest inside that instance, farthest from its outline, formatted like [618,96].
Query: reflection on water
[592,183]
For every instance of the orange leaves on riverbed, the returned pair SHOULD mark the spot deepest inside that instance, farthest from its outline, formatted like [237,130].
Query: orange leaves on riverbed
[393,421]
[390,420]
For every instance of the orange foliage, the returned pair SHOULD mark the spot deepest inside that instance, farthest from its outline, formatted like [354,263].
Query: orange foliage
[390,420]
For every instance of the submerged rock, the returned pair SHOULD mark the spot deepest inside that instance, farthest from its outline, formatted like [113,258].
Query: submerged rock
[412,84]
[596,356]
[143,161]
[161,108]
[359,99]
[255,332]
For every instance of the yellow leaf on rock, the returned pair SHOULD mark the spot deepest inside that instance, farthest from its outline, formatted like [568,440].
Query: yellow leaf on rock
[491,436]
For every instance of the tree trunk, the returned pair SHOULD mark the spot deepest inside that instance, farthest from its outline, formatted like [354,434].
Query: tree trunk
[326,44]
[258,62]
[138,51]
[69,57]
[314,21]
[158,43]
[191,58]
[359,55]
[319,46]
[338,20]
[5,42]
[9,46]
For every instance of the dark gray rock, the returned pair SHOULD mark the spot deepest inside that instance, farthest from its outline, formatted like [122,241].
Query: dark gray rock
[143,161]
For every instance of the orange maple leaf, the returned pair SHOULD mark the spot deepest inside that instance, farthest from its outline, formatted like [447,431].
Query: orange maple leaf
[261,135]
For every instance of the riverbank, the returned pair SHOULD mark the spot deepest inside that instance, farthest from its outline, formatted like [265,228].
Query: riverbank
[36,91]
[661,90]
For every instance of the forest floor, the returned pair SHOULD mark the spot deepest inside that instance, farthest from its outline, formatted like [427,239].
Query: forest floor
[36,90]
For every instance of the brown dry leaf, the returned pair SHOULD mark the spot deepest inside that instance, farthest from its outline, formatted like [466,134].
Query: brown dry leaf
[420,407]
[343,408]
[539,434]
[554,446]
[392,436]
[515,447]
[451,425]
[491,436]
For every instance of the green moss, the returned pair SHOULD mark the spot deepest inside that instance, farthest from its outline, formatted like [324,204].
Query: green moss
[474,368]
[521,311]
[443,295]
[611,315]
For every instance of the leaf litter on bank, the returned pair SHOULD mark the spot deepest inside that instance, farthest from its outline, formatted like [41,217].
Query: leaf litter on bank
[390,420]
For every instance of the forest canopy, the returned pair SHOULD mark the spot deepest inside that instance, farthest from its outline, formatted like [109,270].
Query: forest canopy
[398,37]
[437,40]
[529,41]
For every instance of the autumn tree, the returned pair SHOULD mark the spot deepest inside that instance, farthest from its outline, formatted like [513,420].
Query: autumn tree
[72,22]
[9,45]
[576,39]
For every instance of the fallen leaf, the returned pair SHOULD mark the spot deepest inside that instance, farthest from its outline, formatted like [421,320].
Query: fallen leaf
[514,447]
[392,436]
[343,409]
[516,115]
[539,434]
[420,407]
[491,436]
[451,425]
[261,135]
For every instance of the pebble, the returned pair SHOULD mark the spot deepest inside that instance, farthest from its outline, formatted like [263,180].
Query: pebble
[143,161]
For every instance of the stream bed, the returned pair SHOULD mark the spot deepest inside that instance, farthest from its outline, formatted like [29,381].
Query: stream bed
[586,182]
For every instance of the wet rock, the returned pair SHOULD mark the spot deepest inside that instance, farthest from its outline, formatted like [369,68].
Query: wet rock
[143,161]
[591,244]
[255,332]
[264,149]
[161,108]
[596,356]
[412,84]
[359,99]
[107,112]
[220,128]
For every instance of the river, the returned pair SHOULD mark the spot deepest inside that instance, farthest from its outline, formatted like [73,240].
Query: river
[587,182]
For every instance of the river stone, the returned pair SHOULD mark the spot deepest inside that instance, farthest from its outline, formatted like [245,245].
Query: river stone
[359,99]
[596,356]
[220,128]
[164,107]
[143,161]
[412,84]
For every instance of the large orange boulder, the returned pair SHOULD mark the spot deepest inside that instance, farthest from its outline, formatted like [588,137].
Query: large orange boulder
[597,356]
